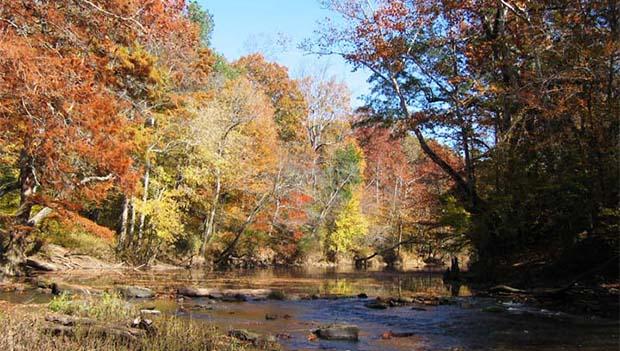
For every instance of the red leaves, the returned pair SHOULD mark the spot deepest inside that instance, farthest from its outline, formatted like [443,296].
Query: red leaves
[72,220]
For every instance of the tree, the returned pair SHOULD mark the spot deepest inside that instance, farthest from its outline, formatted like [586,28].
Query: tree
[83,77]
[414,62]
[66,128]
[350,227]
[203,19]
[505,84]
[284,93]
[223,130]
[342,175]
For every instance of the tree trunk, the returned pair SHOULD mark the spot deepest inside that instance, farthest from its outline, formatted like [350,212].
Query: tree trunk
[225,255]
[132,222]
[13,256]
[210,222]
[145,197]
[122,233]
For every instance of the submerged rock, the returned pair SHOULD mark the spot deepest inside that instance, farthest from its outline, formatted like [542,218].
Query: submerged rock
[493,309]
[346,332]
[137,292]
[391,334]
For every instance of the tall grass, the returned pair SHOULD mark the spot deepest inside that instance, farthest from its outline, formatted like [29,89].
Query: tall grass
[27,330]
[108,307]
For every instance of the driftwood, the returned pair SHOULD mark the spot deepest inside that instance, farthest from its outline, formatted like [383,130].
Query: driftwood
[63,325]
[547,292]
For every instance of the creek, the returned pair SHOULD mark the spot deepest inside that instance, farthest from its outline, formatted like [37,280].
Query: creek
[466,323]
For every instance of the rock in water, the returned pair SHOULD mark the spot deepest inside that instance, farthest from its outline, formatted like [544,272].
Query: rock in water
[346,332]
[190,291]
[377,305]
[243,335]
[135,292]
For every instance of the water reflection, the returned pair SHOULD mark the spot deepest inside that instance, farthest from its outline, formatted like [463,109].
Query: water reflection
[342,282]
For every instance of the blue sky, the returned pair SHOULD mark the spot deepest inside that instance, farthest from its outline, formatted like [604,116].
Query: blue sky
[246,26]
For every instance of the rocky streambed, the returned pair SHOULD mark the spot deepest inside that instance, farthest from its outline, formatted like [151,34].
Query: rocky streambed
[346,310]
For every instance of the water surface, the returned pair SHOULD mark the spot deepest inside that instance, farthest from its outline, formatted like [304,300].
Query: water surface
[463,325]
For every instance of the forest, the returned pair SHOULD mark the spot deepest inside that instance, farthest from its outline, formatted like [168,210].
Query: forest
[490,135]
[158,194]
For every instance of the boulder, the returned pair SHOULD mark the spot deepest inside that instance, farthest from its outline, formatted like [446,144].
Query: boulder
[243,335]
[137,292]
[346,332]
[263,341]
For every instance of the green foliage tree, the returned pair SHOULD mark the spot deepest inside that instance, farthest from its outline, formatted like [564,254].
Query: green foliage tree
[203,19]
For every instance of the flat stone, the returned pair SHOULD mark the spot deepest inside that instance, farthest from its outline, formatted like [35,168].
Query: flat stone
[228,295]
[194,292]
[377,305]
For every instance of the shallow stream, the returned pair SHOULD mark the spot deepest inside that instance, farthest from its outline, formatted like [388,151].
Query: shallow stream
[467,324]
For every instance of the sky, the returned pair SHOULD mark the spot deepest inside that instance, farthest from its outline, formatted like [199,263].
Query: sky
[275,28]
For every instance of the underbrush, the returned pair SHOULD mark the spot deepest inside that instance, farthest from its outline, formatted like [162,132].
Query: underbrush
[28,330]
